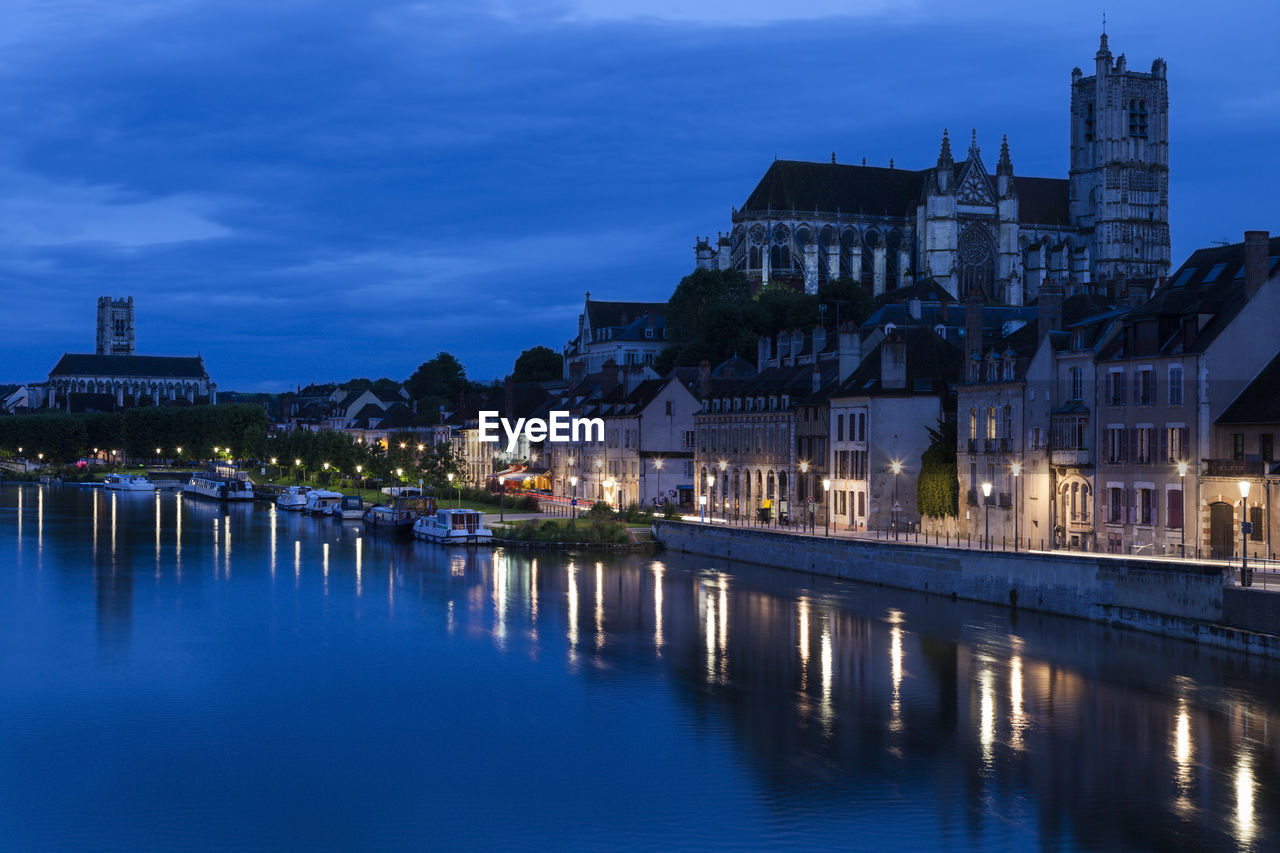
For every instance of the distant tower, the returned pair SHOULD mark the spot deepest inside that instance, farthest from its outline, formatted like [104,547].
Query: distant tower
[115,326]
[1120,167]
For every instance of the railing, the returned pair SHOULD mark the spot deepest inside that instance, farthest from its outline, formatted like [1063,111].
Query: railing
[1234,468]
[1069,456]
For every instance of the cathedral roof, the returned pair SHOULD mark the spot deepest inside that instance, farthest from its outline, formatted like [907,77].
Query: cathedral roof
[831,187]
[149,366]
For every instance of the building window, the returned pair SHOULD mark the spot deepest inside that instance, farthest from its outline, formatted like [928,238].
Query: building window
[1115,505]
[1173,509]
[839,427]
[1115,389]
[1255,519]
[1266,446]
[1138,118]
[1077,383]
[1144,387]
[1142,445]
[1146,506]
[668,407]
[1116,441]
[1175,385]
[688,439]
[1237,446]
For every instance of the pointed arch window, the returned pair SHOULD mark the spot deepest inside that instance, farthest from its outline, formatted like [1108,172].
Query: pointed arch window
[1138,117]
[976,255]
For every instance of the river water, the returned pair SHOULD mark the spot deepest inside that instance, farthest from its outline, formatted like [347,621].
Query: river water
[179,675]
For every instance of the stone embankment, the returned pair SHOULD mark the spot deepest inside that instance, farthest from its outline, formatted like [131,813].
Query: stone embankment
[1173,598]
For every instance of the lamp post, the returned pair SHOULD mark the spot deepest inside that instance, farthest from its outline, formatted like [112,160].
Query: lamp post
[1017,470]
[986,505]
[826,502]
[297,463]
[1246,577]
[573,481]
[501,489]
[449,476]
[359,476]
[1182,473]
[804,470]
[724,490]
[657,467]
[706,499]
[897,469]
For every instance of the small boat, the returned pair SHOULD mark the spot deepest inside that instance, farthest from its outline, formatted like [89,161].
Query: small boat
[293,498]
[351,508]
[453,527]
[128,483]
[390,519]
[320,500]
[220,483]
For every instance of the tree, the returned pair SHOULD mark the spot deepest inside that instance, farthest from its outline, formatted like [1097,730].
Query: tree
[938,484]
[712,317]
[442,377]
[537,364]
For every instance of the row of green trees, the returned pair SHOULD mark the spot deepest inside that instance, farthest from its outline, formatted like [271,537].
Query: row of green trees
[406,457]
[240,430]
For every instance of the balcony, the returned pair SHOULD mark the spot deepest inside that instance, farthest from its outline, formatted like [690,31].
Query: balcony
[1234,468]
[1070,456]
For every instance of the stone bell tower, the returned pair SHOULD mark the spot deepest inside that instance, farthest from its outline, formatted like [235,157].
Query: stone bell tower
[1120,166]
[115,326]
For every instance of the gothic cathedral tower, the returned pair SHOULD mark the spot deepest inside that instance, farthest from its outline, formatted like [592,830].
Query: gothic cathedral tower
[115,326]
[1120,167]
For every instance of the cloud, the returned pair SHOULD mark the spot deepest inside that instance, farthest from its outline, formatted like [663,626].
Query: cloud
[36,212]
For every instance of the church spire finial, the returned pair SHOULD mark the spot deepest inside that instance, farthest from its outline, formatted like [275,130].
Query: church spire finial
[973,143]
[1005,166]
[944,153]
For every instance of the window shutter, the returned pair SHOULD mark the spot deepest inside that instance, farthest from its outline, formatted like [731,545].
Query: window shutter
[1184,444]
[1154,385]
[1164,445]
[1106,445]
[1123,455]
[1133,506]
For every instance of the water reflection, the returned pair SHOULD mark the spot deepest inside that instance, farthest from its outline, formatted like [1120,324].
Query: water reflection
[822,695]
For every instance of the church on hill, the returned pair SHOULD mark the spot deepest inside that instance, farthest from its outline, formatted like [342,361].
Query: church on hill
[969,228]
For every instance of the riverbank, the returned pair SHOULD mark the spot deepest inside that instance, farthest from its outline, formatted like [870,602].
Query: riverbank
[1188,601]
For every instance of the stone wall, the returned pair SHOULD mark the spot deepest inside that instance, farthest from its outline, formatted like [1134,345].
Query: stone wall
[1174,599]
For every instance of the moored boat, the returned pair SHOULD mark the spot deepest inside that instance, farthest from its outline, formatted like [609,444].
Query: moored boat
[390,519]
[453,527]
[293,498]
[128,483]
[351,508]
[220,483]
[319,501]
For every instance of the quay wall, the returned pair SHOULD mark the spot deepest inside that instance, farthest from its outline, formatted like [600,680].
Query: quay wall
[1171,598]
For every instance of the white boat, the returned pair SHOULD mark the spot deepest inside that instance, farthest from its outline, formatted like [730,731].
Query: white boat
[221,483]
[351,508]
[293,498]
[128,483]
[319,501]
[453,527]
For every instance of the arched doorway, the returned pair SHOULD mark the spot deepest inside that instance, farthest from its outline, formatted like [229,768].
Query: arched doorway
[1221,533]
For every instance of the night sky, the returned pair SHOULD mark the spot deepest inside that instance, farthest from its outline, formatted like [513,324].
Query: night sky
[312,191]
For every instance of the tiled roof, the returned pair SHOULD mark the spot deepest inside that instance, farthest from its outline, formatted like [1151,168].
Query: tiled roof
[612,314]
[1259,402]
[933,365]
[835,187]
[138,366]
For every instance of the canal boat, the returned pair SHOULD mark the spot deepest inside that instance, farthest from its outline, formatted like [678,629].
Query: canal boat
[220,483]
[389,519]
[128,483]
[453,527]
[293,498]
[351,508]
[319,501]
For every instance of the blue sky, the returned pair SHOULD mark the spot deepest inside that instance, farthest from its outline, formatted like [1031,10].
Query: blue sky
[310,191]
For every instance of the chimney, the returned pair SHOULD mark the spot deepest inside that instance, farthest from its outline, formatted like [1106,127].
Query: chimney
[1135,294]
[797,344]
[819,340]
[1255,261]
[1050,309]
[973,327]
[849,350]
[893,362]
[762,351]
[577,370]
[784,348]
[817,376]
[509,396]
[610,375]
[704,379]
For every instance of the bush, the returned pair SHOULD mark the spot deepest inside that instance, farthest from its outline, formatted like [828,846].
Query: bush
[590,533]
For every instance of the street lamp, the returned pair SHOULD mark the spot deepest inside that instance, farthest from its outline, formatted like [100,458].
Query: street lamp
[896,467]
[1017,470]
[657,466]
[986,493]
[573,501]
[1246,577]
[1182,473]
[359,475]
[706,499]
[826,501]
[449,477]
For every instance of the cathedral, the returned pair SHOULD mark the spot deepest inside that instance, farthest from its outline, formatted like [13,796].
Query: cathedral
[965,227]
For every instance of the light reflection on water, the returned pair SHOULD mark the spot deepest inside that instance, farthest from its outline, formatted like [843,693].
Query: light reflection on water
[725,706]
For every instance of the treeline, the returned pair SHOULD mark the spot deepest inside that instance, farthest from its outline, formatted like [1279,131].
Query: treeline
[303,453]
[63,437]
